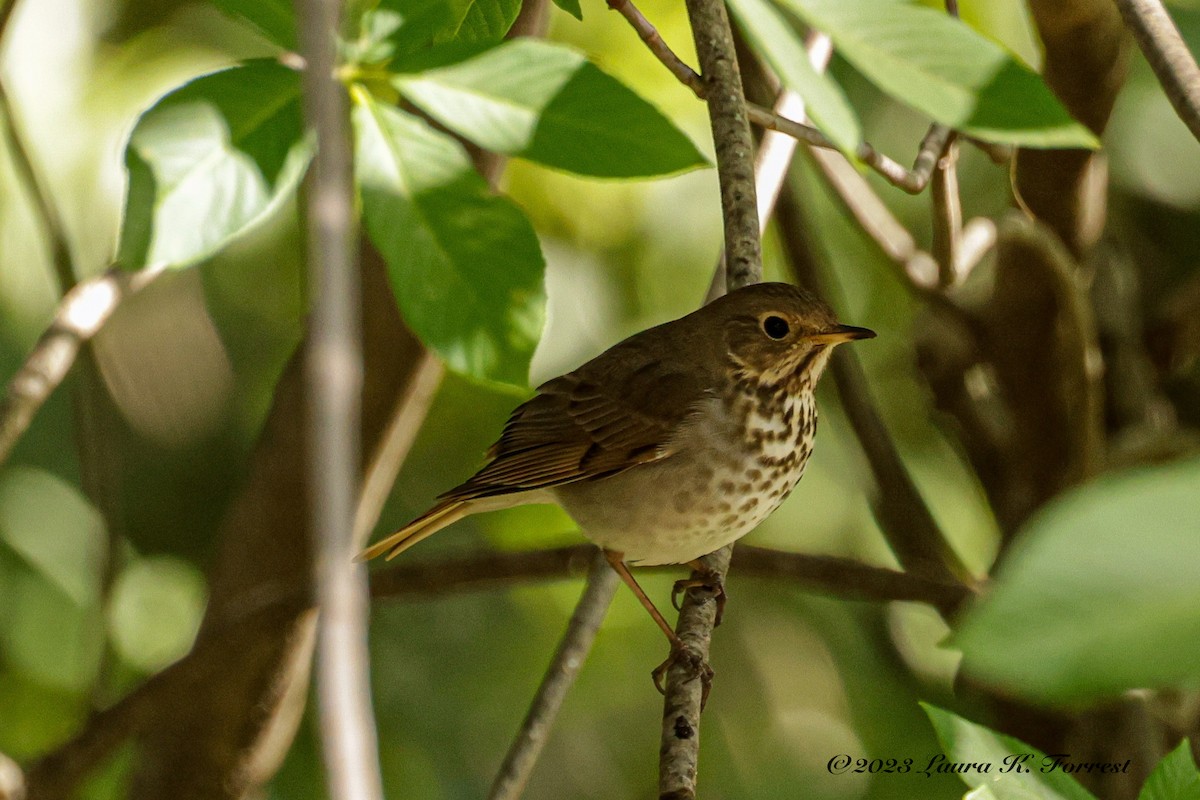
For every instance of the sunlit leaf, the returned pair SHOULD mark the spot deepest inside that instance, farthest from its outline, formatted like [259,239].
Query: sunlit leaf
[942,67]
[211,160]
[824,101]
[464,263]
[1098,594]
[1009,768]
[547,103]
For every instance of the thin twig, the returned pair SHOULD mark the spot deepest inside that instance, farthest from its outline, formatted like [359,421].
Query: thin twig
[1168,55]
[947,215]
[905,519]
[568,660]
[832,576]
[334,379]
[60,251]
[912,180]
[80,314]
[12,780]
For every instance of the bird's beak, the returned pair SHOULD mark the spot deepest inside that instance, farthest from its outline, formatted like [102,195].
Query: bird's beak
[842,333]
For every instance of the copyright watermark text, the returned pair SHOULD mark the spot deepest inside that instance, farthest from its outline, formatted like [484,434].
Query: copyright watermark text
[1017,763]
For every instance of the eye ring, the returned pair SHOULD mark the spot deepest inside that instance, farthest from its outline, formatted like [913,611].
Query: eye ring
[776,327]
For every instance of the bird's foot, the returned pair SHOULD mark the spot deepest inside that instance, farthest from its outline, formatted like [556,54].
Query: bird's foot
[707,580]
[693,662]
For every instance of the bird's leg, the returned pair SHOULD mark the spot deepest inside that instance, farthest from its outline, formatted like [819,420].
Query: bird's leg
[680,652]
[616,560]
[707,579]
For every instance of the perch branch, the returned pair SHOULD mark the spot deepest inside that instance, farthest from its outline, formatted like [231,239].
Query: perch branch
[560,676]
[685,690]
[912,180]
[1168,55]
[81,313]
[334,377]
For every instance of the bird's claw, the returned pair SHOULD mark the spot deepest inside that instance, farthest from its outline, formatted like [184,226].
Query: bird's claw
[696,666]
[710,582]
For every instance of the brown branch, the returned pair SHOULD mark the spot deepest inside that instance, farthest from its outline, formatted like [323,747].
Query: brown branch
[82,312]
[827,575]
[564,668]
[947,215]
[1169,57]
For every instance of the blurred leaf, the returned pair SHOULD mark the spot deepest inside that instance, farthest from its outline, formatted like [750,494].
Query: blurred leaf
[547,103]
[49,637]
[211,160]
[54,529]
[945,69]
[1099,594]
[408,25]
[464,263]
[1175,777]
[824,101]
[571,7]
[155,611]
[276,19]
[965,742]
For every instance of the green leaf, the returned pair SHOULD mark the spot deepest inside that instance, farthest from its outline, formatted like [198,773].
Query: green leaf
[1098,594]
[547,103]
[275,19]
[824,101]
[486,20]
[211,160]
[571,7]
[940,66]
[429,22]
[155,611]
[464,263]
[1175,777]
[1007,767]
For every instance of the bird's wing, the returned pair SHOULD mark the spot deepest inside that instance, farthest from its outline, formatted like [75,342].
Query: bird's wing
[589,424]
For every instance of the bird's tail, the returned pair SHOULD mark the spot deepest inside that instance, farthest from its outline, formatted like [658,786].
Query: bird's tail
[429,523]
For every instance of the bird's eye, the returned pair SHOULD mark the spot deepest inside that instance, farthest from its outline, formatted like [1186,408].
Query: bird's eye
[775,327]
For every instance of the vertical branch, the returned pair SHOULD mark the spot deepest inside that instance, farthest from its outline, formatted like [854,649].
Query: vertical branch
[560,676]
[947,215]
[680,743]
[334,379]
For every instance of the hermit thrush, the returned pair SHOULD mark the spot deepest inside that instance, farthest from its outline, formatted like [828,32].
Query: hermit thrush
[671,444]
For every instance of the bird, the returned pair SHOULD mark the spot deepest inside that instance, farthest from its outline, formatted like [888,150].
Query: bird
[669,445]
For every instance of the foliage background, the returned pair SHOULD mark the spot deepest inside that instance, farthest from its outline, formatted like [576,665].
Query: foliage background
[192,362]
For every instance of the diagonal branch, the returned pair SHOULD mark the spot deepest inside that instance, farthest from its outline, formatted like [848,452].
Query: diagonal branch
[564,667]
[1169,57]
[82,312]
[905,519]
